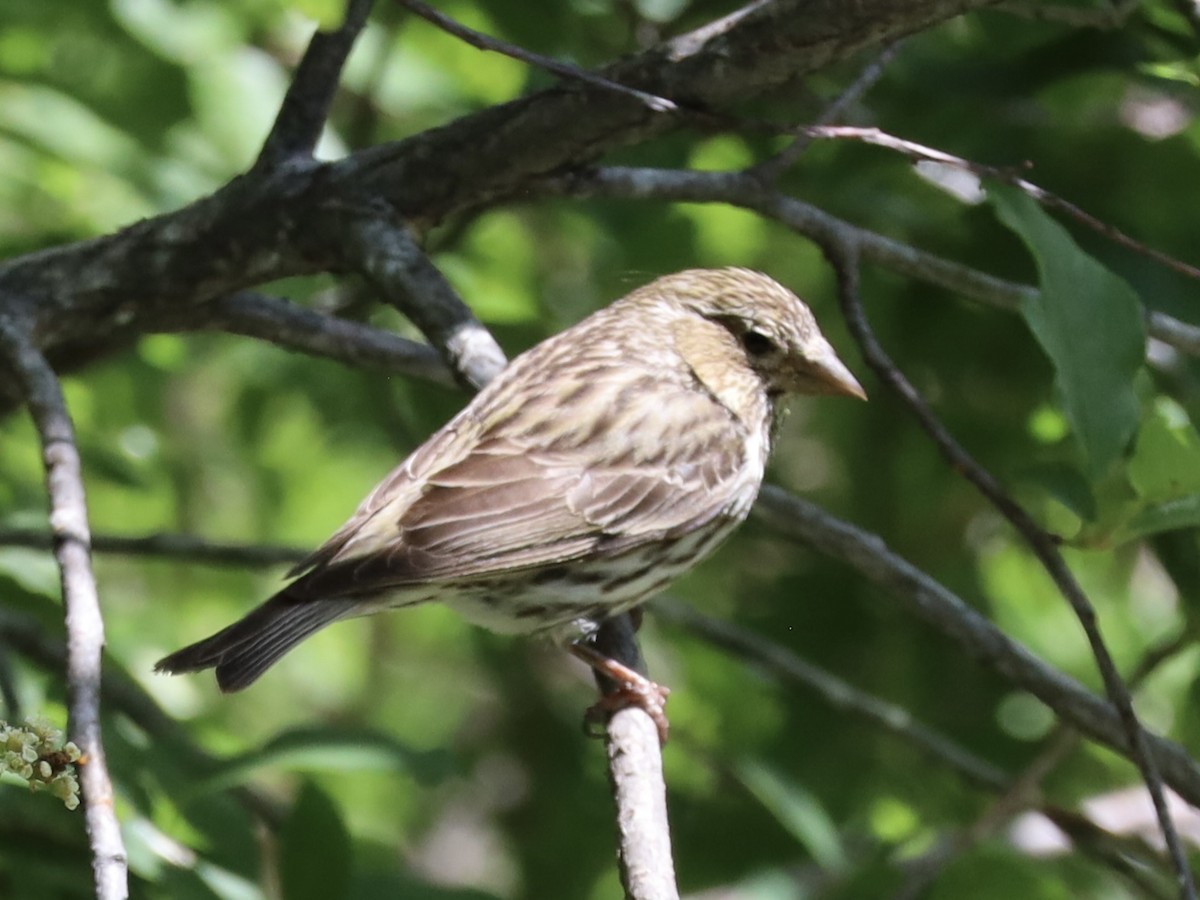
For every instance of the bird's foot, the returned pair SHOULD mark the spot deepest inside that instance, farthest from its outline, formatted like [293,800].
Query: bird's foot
[630,689]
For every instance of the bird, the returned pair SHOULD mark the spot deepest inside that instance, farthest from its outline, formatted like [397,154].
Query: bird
[595,469]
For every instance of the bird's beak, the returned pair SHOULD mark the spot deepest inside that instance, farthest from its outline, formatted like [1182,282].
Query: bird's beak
[821,372]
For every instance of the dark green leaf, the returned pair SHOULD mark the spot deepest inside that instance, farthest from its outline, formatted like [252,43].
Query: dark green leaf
[1089,323]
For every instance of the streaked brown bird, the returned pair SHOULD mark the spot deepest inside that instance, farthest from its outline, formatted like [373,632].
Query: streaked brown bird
[595,469]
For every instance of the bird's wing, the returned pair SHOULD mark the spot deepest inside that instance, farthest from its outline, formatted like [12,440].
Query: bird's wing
[506,506]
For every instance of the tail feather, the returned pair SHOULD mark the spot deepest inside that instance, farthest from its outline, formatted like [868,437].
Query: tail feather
[248,647]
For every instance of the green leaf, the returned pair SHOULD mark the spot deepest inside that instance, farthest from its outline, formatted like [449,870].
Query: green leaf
[314,852]
[797,810]
[326,749]
[1183,512]
[1089,322]
[1166,460]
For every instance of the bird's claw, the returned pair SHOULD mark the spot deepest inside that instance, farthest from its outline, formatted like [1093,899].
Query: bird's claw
[645,694]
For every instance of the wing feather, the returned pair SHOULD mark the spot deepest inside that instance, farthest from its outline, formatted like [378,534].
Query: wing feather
[459,509]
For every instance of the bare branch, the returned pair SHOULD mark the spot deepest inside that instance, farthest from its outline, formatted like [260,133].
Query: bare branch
[931,601]
[39,384]
[770,169]
[120,692]
[837,693]
[182,547]
[920,152]
[305,108]
[563,70]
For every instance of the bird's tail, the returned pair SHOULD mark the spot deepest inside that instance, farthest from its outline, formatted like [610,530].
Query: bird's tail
[248,647]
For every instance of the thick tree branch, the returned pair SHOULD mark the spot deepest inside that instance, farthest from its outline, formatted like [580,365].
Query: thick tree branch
[89,298]
[42,392]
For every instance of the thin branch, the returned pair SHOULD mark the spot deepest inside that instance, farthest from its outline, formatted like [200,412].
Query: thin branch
[181,547]
[1021,793]
[770,169]
[932,602]
[374,243]
[572,73]
[39,384]
[283,323]
[635,772]
[845,261]
[305,108]
[917,151]
[741,190]
[1024,791]
[123,694]
[839,694]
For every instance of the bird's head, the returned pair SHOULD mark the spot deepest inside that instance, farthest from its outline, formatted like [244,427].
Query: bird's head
[775,332]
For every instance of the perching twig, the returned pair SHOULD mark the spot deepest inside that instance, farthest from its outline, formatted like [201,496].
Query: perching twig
[40,387]
[305,108]
[844,259]
[635,771]
[563,70]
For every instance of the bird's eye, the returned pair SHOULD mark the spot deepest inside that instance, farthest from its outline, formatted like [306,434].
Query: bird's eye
[757,343]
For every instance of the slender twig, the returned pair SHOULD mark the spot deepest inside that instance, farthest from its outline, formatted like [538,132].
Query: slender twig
[563,70]
[770,169]
[741,190]
[844,259]
[305,108]
[842,696]
[931,601]
[1023,791]
[180,547]
[42,391]
[375,243]
[914,150]
[121,693]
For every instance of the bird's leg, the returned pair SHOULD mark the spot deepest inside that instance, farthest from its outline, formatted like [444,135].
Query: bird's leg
[631,689]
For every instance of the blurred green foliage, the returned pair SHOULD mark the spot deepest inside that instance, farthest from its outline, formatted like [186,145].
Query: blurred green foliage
[411,755]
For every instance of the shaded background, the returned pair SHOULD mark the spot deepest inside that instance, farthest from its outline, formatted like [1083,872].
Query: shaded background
[414,755]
